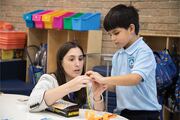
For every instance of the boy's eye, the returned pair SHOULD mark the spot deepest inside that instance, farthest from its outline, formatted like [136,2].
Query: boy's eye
[116,33]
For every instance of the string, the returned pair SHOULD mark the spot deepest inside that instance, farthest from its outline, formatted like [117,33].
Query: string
[88,98]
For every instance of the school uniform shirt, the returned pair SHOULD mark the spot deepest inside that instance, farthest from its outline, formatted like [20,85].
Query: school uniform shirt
[137,58]
[36,100]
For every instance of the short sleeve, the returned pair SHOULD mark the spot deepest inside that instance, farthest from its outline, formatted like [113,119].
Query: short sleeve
[144,65]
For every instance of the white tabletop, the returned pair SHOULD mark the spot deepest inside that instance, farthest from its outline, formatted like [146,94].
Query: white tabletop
[14,107]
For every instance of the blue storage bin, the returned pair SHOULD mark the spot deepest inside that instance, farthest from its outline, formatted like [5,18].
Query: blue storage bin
[28,18]
[88,21]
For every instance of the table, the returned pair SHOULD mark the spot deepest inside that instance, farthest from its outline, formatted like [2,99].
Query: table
[14,107]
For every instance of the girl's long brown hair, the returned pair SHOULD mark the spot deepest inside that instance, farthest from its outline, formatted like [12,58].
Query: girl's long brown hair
[80,96]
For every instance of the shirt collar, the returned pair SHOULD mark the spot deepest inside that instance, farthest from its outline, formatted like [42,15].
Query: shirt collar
[132,48]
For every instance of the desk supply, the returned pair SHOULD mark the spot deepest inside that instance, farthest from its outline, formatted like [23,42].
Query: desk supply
[64,108]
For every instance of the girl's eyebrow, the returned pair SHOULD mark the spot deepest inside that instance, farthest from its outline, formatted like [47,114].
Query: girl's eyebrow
[75,56]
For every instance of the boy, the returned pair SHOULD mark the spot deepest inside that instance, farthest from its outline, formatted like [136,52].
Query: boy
[133,66]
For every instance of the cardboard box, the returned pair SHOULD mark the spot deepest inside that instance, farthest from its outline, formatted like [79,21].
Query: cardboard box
[64,108]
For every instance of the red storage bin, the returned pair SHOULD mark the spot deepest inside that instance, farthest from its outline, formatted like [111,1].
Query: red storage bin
[12,39]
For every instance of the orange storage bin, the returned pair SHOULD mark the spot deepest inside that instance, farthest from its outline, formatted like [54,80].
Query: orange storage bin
[48,18]
[12,39]
[6,40]
[13,34]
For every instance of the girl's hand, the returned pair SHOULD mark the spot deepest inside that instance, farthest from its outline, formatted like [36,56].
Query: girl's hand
[96,77]
[78,82]
[98,89]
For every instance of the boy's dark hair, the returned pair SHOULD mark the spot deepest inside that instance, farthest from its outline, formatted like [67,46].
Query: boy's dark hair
[122,16]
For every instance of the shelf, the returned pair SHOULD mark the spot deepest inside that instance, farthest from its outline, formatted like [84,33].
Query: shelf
[91,42]
[159,41]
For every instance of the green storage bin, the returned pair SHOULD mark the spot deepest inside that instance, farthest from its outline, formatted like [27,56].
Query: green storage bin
[68,21]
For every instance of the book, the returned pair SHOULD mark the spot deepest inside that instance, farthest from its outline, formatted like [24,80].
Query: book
[64,108]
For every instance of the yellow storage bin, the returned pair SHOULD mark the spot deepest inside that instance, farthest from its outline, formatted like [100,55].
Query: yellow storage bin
[6,54]
[48,18]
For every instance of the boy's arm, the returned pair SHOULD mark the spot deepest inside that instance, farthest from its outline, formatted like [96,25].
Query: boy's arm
[111,88]
[123,80]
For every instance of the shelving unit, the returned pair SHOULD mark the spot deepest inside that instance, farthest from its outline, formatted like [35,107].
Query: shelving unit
[91,42]
[159,42]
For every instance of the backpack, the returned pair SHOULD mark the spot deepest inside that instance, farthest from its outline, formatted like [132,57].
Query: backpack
[177,95]
[165,70]
[37,66]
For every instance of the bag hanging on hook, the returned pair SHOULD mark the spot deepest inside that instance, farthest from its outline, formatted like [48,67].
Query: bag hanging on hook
[165,70]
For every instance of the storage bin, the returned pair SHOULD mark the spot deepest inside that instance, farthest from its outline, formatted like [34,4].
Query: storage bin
[28,18]
[11,54]
[8,46]
[58,20]
[48,18]
[68,21]
[12,39]
[37,18]
[12,35]
[88,21]
[6,54]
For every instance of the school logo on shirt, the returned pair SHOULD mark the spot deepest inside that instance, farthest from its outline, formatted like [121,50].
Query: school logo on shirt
[131,61]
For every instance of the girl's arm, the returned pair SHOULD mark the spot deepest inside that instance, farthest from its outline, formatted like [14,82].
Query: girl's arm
[97,101]
[36,100]
[47,91]
[52,95]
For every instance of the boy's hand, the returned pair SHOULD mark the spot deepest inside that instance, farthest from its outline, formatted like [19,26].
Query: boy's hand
[96,77]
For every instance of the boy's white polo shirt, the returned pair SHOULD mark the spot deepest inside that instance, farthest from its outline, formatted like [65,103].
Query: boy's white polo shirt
[137,58]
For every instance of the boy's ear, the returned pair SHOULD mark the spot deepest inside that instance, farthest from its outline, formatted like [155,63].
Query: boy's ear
[132,28]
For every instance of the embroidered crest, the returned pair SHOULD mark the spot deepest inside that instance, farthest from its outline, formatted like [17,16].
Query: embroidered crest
[131,61]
